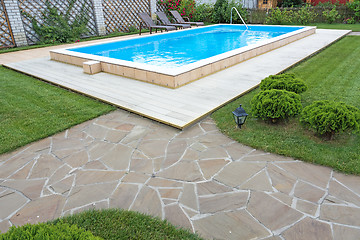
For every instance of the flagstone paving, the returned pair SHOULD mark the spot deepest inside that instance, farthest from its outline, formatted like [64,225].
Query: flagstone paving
[197,178]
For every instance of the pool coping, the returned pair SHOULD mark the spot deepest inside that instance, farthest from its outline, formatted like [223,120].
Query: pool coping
[177,77]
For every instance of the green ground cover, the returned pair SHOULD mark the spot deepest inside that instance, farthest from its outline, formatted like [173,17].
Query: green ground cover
[333,74]
[119,224]
[353,27]
[31,109]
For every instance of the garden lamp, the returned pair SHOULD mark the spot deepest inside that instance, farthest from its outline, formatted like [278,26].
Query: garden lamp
[240,116]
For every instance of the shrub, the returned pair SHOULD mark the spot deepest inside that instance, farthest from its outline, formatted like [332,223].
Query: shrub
[355,7]
[48,231]
[58,27]
[291,3]
[275,104]
[286,82]
[279,17]
[222,11]
[328,118]
[186,8]
[304,15]
[331,15]
[204,12]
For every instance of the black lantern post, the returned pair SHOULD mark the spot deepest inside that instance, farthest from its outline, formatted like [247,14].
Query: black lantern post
[240,116]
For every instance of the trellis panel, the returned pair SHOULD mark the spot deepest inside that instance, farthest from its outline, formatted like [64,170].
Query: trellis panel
[35,8]
[161,8]
[121,14]
[6,36]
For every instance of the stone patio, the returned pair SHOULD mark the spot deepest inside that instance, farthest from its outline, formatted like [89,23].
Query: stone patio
[197,178]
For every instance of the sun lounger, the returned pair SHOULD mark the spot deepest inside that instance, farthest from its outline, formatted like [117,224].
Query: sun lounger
[150,24]
[164,19]
[180,19]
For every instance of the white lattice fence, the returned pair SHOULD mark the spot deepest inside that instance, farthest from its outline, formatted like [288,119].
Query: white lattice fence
[6,37]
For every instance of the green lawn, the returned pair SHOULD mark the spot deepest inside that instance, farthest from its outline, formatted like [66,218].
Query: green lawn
[353,27]
[333,74]
[118,224]
[31,109]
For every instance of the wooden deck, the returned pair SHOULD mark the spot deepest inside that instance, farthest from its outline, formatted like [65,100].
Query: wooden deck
[183,106]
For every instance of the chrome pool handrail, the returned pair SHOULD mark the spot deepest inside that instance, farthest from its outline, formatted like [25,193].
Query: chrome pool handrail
[239,16]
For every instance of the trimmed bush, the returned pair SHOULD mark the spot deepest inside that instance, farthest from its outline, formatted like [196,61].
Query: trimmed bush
[275,104]
[286,82]
[48,231]
[328,118]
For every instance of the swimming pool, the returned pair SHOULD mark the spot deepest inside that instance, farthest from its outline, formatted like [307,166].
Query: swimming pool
[176,58]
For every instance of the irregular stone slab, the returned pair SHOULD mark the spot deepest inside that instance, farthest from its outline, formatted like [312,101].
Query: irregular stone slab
[45,166]
[308,192]
[222,202]
[138,132]
[158,182]
[134,177]
[169,193]
[15,163]
[309,229]
[141,165]
[273,238]
[198,147]
[94,206]
[148,202]
[231,225]
[39,210]
[63,186]
[350,181]
[175,215]
[77,159]
[267,157]
[153,148]
[191,132]
[214,140]
[157,163]
[4,226]
[123,196]
[59,174]
[339,191]
[115,136]
[163,132]
[191,155]
[64,153]
[211,187]
[208,126]
[60,143]
[281,180]
[31,188]
[237,151]
[40,147]
[168,201]
[340,214]
[10,201]
[118,158]
[175,149]
[95,165]
[331,199]
[282,197]
[214,153]
[96,131]
[306,207]
[90,177]
[24,172]
[185,171]
[84,195]
[275,217]
[237,173]
[125,127]
[314,174]
[99,149]
[344,232]
[260,182]
[107,123]
[210,167]
[188,196]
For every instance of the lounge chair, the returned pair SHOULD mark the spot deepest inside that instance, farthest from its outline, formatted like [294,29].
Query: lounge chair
[150,24]
[180,19]
[164,19]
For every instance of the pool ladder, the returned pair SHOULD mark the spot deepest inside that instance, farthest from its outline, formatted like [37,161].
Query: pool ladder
[239,16]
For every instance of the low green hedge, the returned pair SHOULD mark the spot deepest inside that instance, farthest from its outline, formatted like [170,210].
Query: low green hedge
[284,82]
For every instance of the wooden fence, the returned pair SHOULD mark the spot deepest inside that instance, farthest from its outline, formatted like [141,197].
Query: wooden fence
[6,36]
[122,15]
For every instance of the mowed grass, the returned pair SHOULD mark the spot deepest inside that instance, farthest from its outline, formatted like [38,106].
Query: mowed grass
[31,109]
[333,74]
[353,27]
[120,224]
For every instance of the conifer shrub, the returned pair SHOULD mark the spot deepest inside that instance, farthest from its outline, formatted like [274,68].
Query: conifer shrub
[57,231]
[328,117]
[275,104]
[286,82]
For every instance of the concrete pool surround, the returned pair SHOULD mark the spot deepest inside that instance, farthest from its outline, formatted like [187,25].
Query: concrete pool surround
[175,77]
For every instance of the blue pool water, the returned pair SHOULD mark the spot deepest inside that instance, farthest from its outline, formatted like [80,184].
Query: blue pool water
[183,47]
